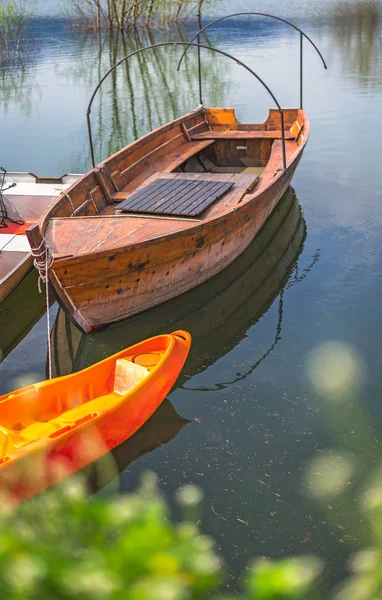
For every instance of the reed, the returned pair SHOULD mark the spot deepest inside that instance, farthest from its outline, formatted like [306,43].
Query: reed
[95,15]
[14,17]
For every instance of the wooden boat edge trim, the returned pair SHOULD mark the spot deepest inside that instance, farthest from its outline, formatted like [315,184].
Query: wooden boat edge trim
[198,225]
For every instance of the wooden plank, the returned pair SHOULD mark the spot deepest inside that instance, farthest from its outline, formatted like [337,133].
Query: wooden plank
[242,135]
[172,195]
[8,261]
[160,191]
[176,196]
[204,202]
[133,165]
[187,192]
[136,228]
[140,195]
[65,238]
[100,234]
[170,162]
[221,117]
[191,190]
[186,132]
[129,162]
[181,158]
[201,191]
[194,176]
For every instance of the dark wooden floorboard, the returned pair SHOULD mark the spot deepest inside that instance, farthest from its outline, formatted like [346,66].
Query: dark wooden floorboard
[201,192]
[187,197]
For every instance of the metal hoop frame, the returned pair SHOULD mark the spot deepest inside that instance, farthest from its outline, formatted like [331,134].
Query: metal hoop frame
[258,14]
[188,44]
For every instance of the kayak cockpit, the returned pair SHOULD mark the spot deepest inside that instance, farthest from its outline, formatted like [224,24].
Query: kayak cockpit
[37,412]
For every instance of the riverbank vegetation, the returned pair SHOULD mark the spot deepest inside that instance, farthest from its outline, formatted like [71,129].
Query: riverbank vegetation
[14,19]
[127,14]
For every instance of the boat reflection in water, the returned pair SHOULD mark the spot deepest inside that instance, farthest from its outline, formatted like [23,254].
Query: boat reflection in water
[218,314]
[161,428]
[19,312]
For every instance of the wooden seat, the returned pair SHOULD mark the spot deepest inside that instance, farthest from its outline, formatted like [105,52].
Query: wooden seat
[168,163]
[239,134]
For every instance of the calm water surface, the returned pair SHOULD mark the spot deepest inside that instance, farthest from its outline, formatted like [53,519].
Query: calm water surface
[244,421]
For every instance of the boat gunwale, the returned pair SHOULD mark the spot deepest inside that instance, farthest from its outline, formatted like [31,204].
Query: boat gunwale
[44,220]
[195,226]
[194,230]
[34,387]
[75,314]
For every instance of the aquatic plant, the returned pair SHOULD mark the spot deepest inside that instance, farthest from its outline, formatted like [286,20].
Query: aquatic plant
[127,14]
[14,17]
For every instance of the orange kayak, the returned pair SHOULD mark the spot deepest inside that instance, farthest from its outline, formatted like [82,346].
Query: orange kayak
[54,428]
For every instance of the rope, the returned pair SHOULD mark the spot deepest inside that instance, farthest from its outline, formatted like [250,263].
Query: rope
[43,261]
[204,113]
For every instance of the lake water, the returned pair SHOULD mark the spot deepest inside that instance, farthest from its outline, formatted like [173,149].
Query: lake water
[244,421]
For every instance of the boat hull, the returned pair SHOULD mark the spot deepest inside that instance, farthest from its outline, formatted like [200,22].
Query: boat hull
[85,432]
[218,313]
[110,264]
[117,285]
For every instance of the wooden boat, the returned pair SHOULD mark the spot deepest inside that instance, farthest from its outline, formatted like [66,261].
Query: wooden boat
[218,313]
[167,212]
[52,429]
[24,197]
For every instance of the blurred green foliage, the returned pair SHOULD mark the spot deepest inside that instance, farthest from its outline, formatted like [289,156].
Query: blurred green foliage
[63,545]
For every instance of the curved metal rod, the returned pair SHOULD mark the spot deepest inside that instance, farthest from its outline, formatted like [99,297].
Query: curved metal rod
[239,62]
[259,14]
[199,53]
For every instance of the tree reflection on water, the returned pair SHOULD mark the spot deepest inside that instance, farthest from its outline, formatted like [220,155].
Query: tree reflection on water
[358,31]
[143,92]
